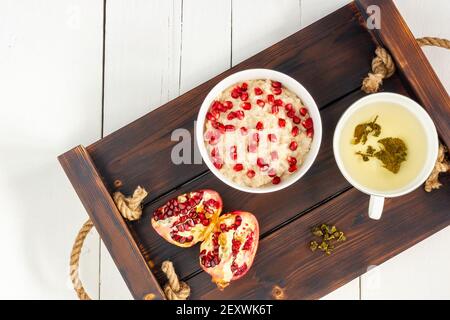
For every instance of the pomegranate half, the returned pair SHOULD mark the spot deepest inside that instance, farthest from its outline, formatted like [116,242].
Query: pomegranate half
[229,250]
[188,218]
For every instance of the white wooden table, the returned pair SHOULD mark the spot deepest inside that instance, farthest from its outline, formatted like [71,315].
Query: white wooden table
[74,70]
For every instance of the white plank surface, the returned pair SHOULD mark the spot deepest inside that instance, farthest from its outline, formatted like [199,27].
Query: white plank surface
[51,67]
[51,80]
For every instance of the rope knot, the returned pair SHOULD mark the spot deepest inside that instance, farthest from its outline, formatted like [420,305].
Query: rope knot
[174,289]
[130,207]
[383,67]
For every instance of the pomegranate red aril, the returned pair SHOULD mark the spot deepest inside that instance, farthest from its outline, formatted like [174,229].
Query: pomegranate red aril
[293,146]
[270,98]
[291,114]
[251,173]
[281,123]
[272,173]
[230,128]
[276,84]
[291,160]
[238,167]
[244,131]
[210,117]
[276,91]
[272,137]
[231,115]
[296,120]
[295,131]
[258,91]
[276,180]
[308,123]
[235,93]
[278,102]
[173,221]
[244,86]
[275,109]
[259,126]
[244,96]
[218,164]
[260,103]
[240,114]
[261,163]
[303,111]
[230,264]
[246,105]
[233,153]
[274,155]
[256,137]
[288,107]
[228,105]
[310,132]
[214,152]
[292,168]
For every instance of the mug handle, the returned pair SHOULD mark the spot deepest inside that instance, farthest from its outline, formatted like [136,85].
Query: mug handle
[376,205]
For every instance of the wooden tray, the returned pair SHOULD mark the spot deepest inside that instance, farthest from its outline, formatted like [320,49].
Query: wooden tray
[331,57]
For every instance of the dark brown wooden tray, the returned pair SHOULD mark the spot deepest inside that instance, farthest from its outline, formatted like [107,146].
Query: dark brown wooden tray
[330,58]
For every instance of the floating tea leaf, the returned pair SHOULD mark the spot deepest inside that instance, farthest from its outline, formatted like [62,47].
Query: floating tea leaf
[363,130]
[392,155]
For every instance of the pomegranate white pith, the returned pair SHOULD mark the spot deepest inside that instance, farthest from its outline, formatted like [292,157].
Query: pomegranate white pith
[258,132]
[188,218]
[229,250]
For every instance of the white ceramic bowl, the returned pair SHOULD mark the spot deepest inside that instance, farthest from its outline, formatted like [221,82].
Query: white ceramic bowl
[288,82]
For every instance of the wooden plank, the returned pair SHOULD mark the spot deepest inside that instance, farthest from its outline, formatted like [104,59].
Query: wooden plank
[109,223]
[139,153]
[306,275]
[50,80]
[272,210]
[412,64]
[258,25]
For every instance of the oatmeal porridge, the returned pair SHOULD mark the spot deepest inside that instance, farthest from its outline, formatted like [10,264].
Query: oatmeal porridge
[258,132]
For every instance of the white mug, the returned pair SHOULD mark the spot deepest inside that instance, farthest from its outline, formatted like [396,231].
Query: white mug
[377,197]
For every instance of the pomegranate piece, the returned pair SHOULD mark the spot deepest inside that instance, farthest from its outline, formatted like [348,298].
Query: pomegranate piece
[296,120]
[244,96]
[211,117]
[310,132]
[231,115]
[272,137]
[276,91]
[303,111]
[258,91]
[276,84]
[292,161]
[274,155]
[259,126]
[291,114]
[246,105]
[230,128]
[244,131]
[228,105]
[244,86]
[293,146]
[288,107]
[238,167]
[281,123]
[276,180]
[292,168]
[218,164]
[308,123]
[270,98]
[260,103]
[251,173]
[240,114]
[275,109]
[272,173]
[229,250]
[294,131]
[188,218]
[235,93]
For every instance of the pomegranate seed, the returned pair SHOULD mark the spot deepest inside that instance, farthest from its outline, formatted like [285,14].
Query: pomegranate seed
[240,114]
[252,147]
[250,173]
[288,107]
[292,161]
[244,131]
[274,155]
[260,163]
[291,114]
[215,113]
[281,123]
[272,137]
[294,131]
[246,106]
[274,109]
[278,102]
[293,146]
[296,120]
[213,140]
[210,116]
[258,91]
[228,105]
[259,126]
[231,115]
[233,152]
[221,128]
[214,152]
[205,222]
[270,98]
[256,136]
[303,111]
[272,173]
[276,84]
[244,96]
[260,103]
[244,86]
[230,128]
[310,132]
[238,167]
[277,91]
[293,168]
[235,93]
[264,169]
[276,180]
[308,123]
[218,165]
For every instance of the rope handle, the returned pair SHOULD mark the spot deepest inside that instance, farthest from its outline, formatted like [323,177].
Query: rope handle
[131,209]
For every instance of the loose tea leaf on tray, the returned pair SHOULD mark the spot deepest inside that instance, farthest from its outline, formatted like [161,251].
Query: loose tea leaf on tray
[329,236]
